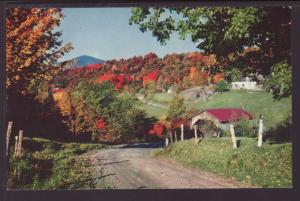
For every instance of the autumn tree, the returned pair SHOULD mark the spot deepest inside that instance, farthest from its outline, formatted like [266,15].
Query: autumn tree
[228,32]
[99,110]
[32,46]
[221,30]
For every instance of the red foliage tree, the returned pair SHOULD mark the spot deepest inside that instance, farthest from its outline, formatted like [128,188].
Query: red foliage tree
[176,123]
[107,77]
[152,76]
[100,123]
[218,77]
[123,68]
[158,129]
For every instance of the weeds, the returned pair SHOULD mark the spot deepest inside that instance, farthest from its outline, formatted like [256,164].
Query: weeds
[52,165]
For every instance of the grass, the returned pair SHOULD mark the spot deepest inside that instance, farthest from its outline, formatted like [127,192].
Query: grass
[255,102]
[163,98]
[268,166]
[47,164]
[154,111]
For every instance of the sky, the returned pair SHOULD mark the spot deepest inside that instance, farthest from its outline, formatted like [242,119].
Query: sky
[105,33]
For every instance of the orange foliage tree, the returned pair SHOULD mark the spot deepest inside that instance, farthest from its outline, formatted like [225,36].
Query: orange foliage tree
[75,112]
[32,46]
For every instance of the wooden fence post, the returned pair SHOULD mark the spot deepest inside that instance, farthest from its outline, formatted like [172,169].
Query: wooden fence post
[20,143]
[175,136]
[171,136]
[166,141]
[8,133]
[260,132]
[233,136]
[182,137]
[16,146]
[195,131]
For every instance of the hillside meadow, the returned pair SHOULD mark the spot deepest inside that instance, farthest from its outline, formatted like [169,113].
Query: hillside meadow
[255,102]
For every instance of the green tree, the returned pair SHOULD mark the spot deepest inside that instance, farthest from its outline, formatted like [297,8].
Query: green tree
[222,86]
[119,112]
[176,107]
[232,75]
[225,31]
[125,119]
[280,80]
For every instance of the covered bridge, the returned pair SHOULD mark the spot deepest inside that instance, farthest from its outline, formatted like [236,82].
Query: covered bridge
[219,117]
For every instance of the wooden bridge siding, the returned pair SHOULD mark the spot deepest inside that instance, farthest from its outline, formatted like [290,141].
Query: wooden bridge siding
[204,116]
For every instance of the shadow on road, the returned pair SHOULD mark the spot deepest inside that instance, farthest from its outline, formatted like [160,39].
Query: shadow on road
[81,182]
[144,145]
[115,162]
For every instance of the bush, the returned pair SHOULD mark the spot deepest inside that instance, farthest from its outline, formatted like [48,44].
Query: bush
[245,128]
[52,165]
[232,75]
[222,86]
[142,91]
[150,87]
[282,132]
[279,82]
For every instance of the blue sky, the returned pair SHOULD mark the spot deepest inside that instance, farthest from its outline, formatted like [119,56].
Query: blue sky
[105,33]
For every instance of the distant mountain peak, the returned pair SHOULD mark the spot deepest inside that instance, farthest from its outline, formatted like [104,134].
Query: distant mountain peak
[84,60]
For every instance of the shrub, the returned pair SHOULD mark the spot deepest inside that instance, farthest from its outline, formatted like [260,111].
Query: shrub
[232,75]
[279,82]
[245,128]
[222,86]
[176,107]
[282,132]
[142,91]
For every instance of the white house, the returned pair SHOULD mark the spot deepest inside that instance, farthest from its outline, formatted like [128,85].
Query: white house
[247,84]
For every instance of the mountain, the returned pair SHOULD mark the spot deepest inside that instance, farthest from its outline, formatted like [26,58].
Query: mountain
[86,60]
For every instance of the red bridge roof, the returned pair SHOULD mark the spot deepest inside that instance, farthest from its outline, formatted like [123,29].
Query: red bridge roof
[228,114]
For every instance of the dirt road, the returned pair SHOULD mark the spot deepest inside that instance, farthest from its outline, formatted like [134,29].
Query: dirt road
[131,167]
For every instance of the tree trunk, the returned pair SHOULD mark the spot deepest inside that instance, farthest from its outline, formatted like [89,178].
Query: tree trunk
[175,136]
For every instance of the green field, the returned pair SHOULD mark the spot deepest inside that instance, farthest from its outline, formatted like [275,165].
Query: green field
[154,111]
[274,112]
[268,166]
[50,165]
[163,98]
[255,102]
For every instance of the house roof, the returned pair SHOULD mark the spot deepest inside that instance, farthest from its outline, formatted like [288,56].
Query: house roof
[228,114]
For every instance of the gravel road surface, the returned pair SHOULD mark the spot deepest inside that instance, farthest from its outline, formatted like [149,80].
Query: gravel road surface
[131,167]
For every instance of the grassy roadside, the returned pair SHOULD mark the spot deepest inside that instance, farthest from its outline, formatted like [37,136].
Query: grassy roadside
[269,166]
[47,164]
